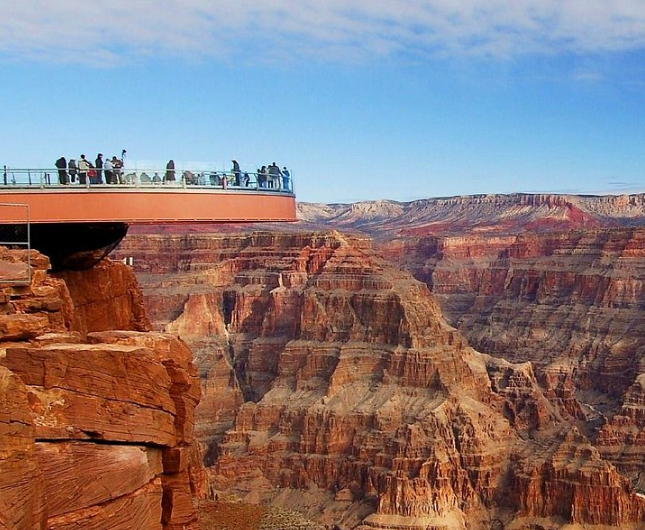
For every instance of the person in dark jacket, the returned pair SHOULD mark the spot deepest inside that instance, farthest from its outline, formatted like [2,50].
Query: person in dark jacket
[274,176]
[236,173]
[61,164]
[98,164]
[170,171]
[73,169]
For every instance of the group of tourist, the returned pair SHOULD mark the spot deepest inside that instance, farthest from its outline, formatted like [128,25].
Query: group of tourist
[110,171]
[91,173]
[270,176]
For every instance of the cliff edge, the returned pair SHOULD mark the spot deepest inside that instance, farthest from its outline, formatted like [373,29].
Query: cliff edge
[96,411]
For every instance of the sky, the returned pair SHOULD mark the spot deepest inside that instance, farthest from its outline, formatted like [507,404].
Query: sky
[360,99]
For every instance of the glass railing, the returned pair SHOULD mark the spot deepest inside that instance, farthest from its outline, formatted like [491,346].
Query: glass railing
[56,178]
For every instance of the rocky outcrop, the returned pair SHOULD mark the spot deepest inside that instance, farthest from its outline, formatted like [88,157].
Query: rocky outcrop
[105,297]
[576,484]
[21,480]
[570,303]
[96,423]
[336,377]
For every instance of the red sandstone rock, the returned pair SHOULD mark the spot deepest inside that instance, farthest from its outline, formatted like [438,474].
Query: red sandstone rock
[575,483]
[141,509]
[90,474]
[133,393]
[353,380]
[178,509]
[177,360]
[104,392]
[21,484]
[106,297]
[350,377]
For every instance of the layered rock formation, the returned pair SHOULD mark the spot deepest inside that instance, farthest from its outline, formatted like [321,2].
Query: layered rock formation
[492,213]
[333,384]
[96,413]
[570,303]
[520,287]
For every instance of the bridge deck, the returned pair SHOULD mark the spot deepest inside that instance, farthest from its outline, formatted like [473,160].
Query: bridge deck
[144,204]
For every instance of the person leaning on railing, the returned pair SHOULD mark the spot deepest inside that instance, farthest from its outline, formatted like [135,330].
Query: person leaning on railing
[262,177]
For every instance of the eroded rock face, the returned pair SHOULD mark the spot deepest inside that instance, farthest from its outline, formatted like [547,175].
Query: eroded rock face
[96,427]
[535,297]
[574,482]
[328,372]
[21,481]
[106,297]
[570,303]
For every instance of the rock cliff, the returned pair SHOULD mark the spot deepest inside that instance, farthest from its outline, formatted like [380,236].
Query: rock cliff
[96,412]
[569,302]
[332,384]
[554,280]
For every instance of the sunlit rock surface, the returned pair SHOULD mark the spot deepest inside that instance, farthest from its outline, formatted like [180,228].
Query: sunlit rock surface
[96,414]
[332,382]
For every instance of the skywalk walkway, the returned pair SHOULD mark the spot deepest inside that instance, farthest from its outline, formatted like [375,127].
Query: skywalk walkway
[77,225]
[195,197]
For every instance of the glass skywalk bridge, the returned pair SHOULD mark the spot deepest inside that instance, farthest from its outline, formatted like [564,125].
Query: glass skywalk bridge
[69,222]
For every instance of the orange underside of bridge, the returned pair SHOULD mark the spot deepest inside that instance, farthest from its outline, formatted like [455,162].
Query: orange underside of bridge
[158,205]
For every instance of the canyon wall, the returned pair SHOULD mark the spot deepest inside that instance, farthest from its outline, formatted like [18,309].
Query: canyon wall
[96,411]
[332,383]
[570,302]
[556,280]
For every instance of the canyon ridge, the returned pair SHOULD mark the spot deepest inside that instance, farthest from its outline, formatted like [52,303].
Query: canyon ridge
[468,362]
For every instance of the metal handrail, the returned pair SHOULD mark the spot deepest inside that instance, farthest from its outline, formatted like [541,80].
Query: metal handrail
[188,178]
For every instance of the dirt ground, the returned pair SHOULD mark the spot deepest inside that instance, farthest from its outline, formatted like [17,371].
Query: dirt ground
[214,515]
[223,515]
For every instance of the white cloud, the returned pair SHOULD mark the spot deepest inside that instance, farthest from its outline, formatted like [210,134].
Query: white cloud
[108,31]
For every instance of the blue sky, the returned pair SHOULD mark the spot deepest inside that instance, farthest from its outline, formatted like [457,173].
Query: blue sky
[362,100]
